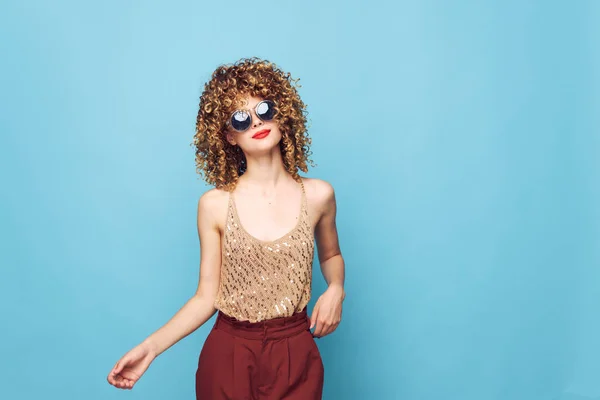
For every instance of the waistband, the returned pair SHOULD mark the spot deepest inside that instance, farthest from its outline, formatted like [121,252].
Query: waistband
[275,328]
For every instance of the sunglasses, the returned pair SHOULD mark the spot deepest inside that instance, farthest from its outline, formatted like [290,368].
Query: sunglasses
[241,120]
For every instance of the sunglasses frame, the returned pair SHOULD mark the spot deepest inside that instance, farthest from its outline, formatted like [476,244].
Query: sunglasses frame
[228,123]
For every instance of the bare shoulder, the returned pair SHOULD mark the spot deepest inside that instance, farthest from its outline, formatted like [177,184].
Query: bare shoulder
[318,189]
[212,205]
[320,194]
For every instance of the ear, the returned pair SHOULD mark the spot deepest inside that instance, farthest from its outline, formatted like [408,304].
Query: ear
[230,138]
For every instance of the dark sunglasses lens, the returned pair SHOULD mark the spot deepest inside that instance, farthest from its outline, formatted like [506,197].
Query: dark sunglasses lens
[266,110]
[240,120]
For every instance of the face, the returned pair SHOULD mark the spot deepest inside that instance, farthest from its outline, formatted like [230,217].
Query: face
[260,135]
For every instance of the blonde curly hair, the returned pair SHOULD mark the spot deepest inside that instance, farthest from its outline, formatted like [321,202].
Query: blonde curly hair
[220,163]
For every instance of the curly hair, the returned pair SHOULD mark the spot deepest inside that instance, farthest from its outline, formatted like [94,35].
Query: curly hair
[220,163]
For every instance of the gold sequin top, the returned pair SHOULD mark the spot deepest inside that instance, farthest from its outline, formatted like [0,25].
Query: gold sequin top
[265,279]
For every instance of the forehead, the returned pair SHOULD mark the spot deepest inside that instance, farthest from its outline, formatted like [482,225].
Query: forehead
[248,101]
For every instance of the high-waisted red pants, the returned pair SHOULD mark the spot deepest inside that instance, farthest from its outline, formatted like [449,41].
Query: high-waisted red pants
[275,359]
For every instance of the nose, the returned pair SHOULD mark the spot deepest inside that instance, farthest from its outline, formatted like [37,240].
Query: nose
[256,121]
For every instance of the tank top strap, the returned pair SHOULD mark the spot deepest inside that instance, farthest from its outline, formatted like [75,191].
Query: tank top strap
[304,201]
[231,214]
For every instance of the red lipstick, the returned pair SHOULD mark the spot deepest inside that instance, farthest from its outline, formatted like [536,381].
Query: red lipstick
[261,134]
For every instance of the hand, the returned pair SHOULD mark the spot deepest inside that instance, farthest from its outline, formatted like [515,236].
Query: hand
[327,312]
[130,368]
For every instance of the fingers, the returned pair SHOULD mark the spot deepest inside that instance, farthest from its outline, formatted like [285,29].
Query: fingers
[118,366]
[325,326]
[321,326]
[116,378]
[314,315]
[112,376]
[125,384]
[120,381]
[332,327]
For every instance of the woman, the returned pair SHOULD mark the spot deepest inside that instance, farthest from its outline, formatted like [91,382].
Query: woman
[257,230]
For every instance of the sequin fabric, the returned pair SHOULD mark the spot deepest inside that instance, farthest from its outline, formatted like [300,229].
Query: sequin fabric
[262,280]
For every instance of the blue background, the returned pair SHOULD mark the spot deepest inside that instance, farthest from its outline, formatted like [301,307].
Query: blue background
[462,139]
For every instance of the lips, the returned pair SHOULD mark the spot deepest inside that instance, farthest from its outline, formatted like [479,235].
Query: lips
[261,134]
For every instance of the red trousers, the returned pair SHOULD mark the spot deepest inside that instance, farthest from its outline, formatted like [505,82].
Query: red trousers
[275,359]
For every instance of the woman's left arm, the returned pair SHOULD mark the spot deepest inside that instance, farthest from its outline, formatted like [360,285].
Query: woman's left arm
[327,312]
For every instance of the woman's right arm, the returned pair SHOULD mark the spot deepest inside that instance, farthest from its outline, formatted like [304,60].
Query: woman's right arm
[200,307]
[195,312]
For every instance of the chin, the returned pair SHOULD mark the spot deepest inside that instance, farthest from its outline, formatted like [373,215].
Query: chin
[267,144]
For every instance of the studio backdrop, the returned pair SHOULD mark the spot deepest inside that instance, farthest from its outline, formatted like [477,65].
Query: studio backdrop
[461,138]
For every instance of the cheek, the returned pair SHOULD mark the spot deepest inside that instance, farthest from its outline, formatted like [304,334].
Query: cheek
[278,136]
[277,131]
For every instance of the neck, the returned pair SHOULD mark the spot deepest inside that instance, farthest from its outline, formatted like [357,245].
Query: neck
[265,171]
